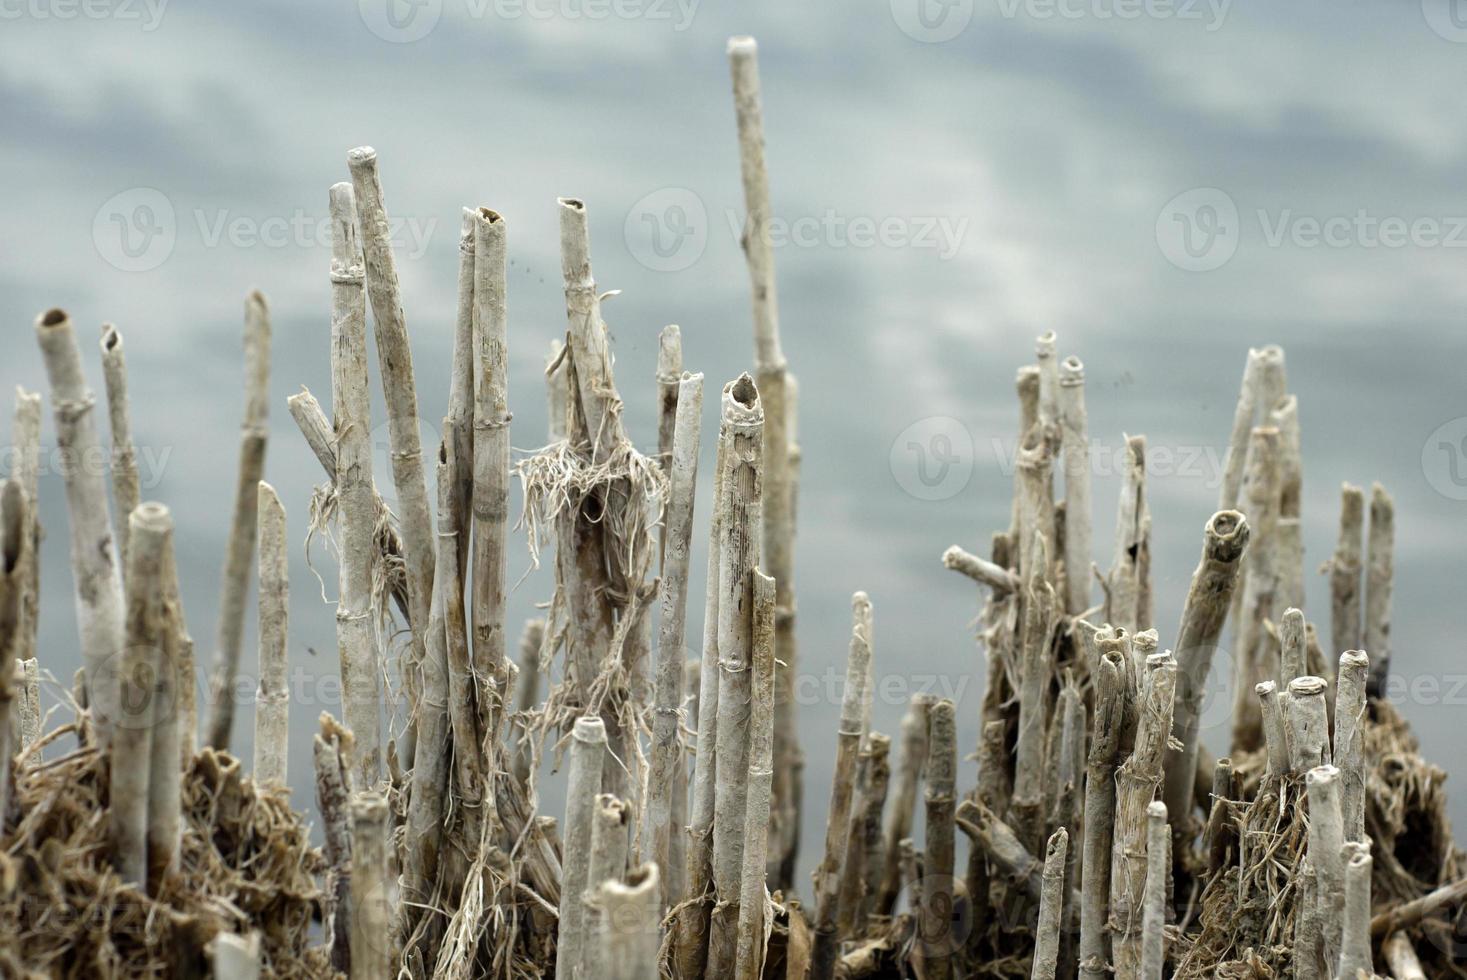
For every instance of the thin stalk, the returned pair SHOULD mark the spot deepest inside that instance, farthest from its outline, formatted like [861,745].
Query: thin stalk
[752,893]
[1259,587]
[1326,837]
[1275,737]
[8,684]
[26,469]
[239,555]
[154,532]
[1075,452]
[1105,748]
[909,779]
[875,778]
[371,955]
[1158,870]
[125,491]
[272,703]
[1407,914]
[527,694]
[1400,955]
[1379,573]
[332,778]
[1036,501]
[1129,603]
[669,379]
[1349,742]
[1293,646]
[938,894]
[461,395]
[986,573]
[1344,571]
[587,753]
[184,695]
[1050,928]
[1030,772]
[1355,959]
[30,704]
[1243,418]
[1289,533]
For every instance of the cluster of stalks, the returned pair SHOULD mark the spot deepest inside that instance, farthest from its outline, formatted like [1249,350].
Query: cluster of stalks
[1103,838]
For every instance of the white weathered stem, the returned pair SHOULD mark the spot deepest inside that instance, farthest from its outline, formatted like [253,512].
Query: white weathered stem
[26,469]
[240,551]
[235,957]
[1307,723]
[599,402]
[125,490]
[331,801]
[1129,599]
[981,570]
[1105,747]
[1344,571]
[371,954]
[491,453]
[1049,378]
[356,495]
[99,603]
[738,554]
[400,392]
[838,815]
[1158,870]
[557,392]
[30,703]
[1036,501]
[1349,743]
[607,864]
[587,753]
[1401,957]
[909,779]
[9,682]
[1275,738]
[1293,646]
[272,703]
[876,773]
[1355,959]
[1030,773]
[1259,586]
[1289,533]
[1224,542]
[165,788]
[939,895]
[630,916]
[667,753]
[669,378]
[1026,386]
[1326,837]
[1243,418]
[1306,925]
[752,926]
[1051,908]
[184,695]
[1379,572]
[1075,453]
[13,528]
[461,398]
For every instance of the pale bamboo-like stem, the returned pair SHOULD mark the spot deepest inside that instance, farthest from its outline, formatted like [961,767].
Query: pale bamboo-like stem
[1224,543]
[1308,724]
[938,896]
[99,602]
[371,957]
[587,754]
[596,391]
[1105,747]
[527,694]
[14,510]
[874,776]
[557,392]
[1026,386]
[30,704]
[1293,646]
[331,802]
[838,815]
[1243,418]
[1379,573]
[272,703]
[1036,501]
[235,957]
[741,492]
[677,853]
[1136,783]
[1259,586]
[852,867]
[132,743]
[1049,378]
[1158,870]
[1306,925]
[8,684]
[356,495]
[1401,957]
[667,752]
[240,551]
[992,791]
[1215,834]
[607,864]
[26,469]
[669,378]
[1001,844]
[909,779]
[400,392]
[1275,739]
[461,397]
[1001,580]
[491,453]
[1289,533]
[1326,837]
[184,696]
[1130,570]
[753,928]
[1344,571]
[1030,773]
[1349,742]
[165,790]
[1355,959]
[125,490]
[629,919]
[1069,808]
[1048,932]
[1075,452]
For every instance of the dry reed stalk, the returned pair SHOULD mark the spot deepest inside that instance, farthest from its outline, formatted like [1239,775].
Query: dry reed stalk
[1293,646]
[909,779]
[1355,960]
[873,777]
[1224,543]
[14,512]
[1137,781]
[371,954]
[142,658]
[332,779]
[1275,738]
[272,703]
[1289,534]
[1030,773]
[1069,809]
[165,791]
[461,396]
[669,378]
[1158,871]
[667,750]
[607,864]
[400,392]
[629,921]
[1129,602]
[1049,378]
[587,753]
[1049,930]
[240,551]
[1349,740]
[1379,572]
[98,587]
[741,500]
[26,469]
[838,815]
[235,957]
[125,491]
[1306,925]
[527,694]
[1244,416]
[491,457]
[1215,835]
[8,684]
[752,925]
[1400,955]
[939,898]
[1001,844]
[1036,501]
[1326,837]
[356,495]
[30,703]
[1259,587]
[1026,386]
[184,695]
[776,392]
[981,570]
[1344,571]
[1307,723]
[1075,453]
[1109,680]
[1407,914]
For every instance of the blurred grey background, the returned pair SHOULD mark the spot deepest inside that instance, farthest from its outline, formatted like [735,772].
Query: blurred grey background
[1163,183]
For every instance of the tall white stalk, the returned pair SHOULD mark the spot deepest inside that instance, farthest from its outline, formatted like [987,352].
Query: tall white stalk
[1047,932]
[1158,870]
[587,752]
[152,531]
[1344,571]
[1379,575]
[371,953]
[1349,742]
[26,469]
[1326,837]
[752,904]
[125,491]
[1259,586]
[1355,959]
[1075,453]
[938,884]
[272,703]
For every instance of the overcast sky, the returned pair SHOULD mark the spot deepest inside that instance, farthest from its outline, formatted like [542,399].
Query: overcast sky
[1163,183]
